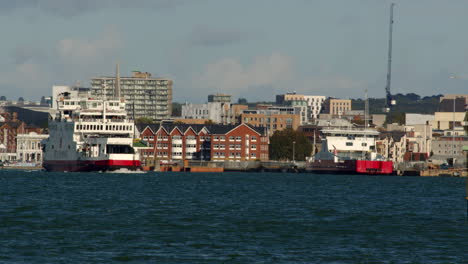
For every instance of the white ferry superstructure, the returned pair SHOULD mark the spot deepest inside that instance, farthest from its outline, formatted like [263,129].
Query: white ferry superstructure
[87,134]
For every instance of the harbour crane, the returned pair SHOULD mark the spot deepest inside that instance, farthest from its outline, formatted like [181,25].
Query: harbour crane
[389,100]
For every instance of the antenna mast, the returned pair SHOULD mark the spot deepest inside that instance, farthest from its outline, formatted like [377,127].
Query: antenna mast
[389,102]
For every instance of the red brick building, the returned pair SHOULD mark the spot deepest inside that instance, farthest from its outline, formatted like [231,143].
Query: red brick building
[204,142]
[10,127]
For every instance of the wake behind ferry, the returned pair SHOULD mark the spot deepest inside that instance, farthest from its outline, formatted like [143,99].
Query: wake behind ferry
[87,134]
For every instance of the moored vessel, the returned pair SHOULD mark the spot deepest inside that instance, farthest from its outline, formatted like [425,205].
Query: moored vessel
[88,134]
[349,151]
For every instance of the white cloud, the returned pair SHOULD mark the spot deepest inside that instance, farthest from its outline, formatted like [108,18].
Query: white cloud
[89,50]
[229,75]
[33,71]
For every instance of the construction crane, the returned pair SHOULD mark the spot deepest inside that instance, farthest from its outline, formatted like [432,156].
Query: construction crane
[389,101]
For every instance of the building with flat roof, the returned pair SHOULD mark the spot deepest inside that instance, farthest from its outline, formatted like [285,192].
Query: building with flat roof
[219,98]
[336,107]
[145,95]
[273,120]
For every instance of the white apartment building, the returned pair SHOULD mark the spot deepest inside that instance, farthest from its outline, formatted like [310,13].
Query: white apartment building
[145,96]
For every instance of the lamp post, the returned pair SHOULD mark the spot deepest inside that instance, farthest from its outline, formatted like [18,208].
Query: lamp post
[294,151]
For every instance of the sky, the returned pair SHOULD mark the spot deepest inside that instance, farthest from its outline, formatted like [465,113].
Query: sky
[251,49]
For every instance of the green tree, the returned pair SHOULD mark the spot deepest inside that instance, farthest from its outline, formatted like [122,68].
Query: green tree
[176,109]
[281,145]
[144,120]
[242,101]
[209,122]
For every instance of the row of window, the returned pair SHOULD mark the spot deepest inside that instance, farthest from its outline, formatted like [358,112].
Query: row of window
[104,127]
[202,138]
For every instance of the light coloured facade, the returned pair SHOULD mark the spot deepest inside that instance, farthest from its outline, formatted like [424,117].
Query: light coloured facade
[273,120]
[145,96]
[209,111]
[447,147]
[339,106]
[29,147]
[419,138]
[314,102]
[418,119]
[445,120]
[217,112]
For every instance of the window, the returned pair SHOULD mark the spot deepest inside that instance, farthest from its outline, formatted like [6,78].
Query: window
[364,144]
[222,138]
[253,147]
[231,138]
[349,144]
[216,138]
[254,138]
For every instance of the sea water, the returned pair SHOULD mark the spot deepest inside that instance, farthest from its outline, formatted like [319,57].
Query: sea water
[230,218]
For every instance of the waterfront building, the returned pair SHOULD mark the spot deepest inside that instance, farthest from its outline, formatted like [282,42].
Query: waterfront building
[145,96]
[314,102]
[447,120]
[272,119]
[29,147]
[419,138]
[449,149]
[217,112]
[219,98]
[418,119]
[336,107]
[9,130]
[174,142]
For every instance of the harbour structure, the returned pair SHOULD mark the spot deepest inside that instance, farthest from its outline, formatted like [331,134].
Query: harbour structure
[87,134]
[177,142]
[145,96]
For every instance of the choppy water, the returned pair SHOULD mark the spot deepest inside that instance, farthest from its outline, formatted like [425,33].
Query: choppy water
[230,218]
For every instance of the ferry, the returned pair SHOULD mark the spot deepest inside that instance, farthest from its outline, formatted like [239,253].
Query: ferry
[90,134]
[349,151]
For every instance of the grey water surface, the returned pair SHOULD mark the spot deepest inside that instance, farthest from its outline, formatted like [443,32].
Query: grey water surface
[230,218]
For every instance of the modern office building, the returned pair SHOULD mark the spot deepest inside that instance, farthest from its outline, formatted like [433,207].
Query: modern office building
[145,96]
[273,120]
[217,112]
[336,107]
[314,102]
[219,98]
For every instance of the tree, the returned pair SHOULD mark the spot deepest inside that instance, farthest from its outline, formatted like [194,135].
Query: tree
[242,101]
[281,145]
[143,120]
[3,98]
[176,109]
[209,122]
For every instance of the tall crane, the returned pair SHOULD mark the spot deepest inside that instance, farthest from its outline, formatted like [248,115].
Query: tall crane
[389,101]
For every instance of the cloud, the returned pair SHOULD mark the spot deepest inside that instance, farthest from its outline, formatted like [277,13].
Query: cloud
[33,71]
[68,8]
[208,36]
[229,75]
[71,50]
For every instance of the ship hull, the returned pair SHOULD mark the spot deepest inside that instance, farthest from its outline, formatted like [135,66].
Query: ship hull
[91,165]
[366,167]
